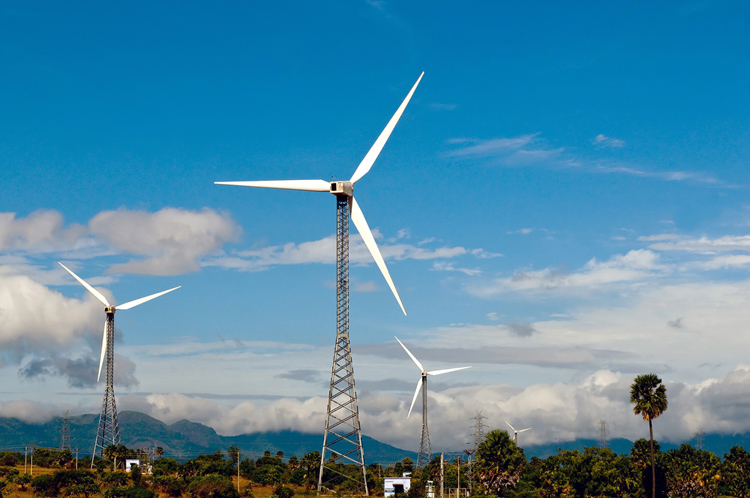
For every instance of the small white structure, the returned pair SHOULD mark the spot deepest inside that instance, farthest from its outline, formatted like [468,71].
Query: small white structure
[430,489]
[130,462]
[395,485]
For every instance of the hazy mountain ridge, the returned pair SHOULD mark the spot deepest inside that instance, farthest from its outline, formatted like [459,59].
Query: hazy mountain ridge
[185,439]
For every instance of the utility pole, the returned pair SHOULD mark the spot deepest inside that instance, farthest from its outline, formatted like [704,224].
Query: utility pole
[459,473]
[25,455]
[76,458]
[442,477]
[238,471]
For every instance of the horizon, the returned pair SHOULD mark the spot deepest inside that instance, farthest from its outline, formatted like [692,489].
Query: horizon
[562,206]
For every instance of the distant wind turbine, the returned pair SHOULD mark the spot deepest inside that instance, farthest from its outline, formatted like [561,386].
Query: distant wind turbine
[109,428]
[425,452]
[515,432]
[342,437]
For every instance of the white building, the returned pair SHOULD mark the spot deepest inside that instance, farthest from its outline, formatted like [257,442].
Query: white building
[395,485]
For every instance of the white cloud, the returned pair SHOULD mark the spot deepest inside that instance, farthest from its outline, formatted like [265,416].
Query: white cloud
[705,245]
[605,141]
[529,150]
[723,262]
[172,241]
[40,231]
[35,318]
[323,251]
[633,266]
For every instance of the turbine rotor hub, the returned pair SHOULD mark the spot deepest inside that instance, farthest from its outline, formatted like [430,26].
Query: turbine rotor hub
[342,188]
[110,309]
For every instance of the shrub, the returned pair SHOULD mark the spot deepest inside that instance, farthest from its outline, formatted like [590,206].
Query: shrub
[212,486]
[283,492]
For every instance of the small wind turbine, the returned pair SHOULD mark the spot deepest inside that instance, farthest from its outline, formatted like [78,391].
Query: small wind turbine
[109,429]
[515,432]
[425,453]
[343,437]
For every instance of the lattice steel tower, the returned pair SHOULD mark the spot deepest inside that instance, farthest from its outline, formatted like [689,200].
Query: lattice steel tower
[342,436]
[108,431]
[478,428]
[65,432]
[425,452]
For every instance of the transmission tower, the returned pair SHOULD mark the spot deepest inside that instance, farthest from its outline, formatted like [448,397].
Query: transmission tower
[478,429]
[65,433]
[699,436]
[342,438]
[602,434]
[108,431]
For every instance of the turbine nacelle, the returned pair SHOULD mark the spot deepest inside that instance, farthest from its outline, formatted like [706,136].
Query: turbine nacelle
[342,188]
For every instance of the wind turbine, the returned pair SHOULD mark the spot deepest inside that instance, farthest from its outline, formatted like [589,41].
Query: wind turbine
[342,419]
[425,453]
[515,432]
[108,431]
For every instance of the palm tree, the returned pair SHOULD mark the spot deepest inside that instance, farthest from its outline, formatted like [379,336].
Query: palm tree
[649,397]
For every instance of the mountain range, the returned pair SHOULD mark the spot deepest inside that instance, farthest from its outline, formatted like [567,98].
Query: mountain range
[185,439]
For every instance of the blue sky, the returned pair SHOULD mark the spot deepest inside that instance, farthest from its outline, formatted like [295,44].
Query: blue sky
[563,206]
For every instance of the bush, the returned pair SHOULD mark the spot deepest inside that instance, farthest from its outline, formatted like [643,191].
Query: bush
[66,482]
[169,485]
[283,492]
[128,492]
[212,486]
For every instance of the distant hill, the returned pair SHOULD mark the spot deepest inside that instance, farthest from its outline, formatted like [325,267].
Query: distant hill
[185,439]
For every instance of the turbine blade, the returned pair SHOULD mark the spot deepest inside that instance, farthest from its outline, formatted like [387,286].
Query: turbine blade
[364,230]
[104,351]
[524,430]
[511,427]
[95,292]
[133,304]
[441,372]
[419,365]
[307,185]
[369,159]
[416,393]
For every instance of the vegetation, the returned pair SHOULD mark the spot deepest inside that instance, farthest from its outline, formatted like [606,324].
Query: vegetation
[649,398]
[500,470]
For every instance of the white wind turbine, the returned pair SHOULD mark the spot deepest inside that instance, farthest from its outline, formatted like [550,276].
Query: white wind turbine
[515,432]
[342,437]
[109,429]
[425,452]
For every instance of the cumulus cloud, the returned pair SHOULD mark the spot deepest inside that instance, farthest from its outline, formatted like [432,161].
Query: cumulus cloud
[633,266]
[36,318]
[244,418]
[170,241]
[559,411]
[41,231]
